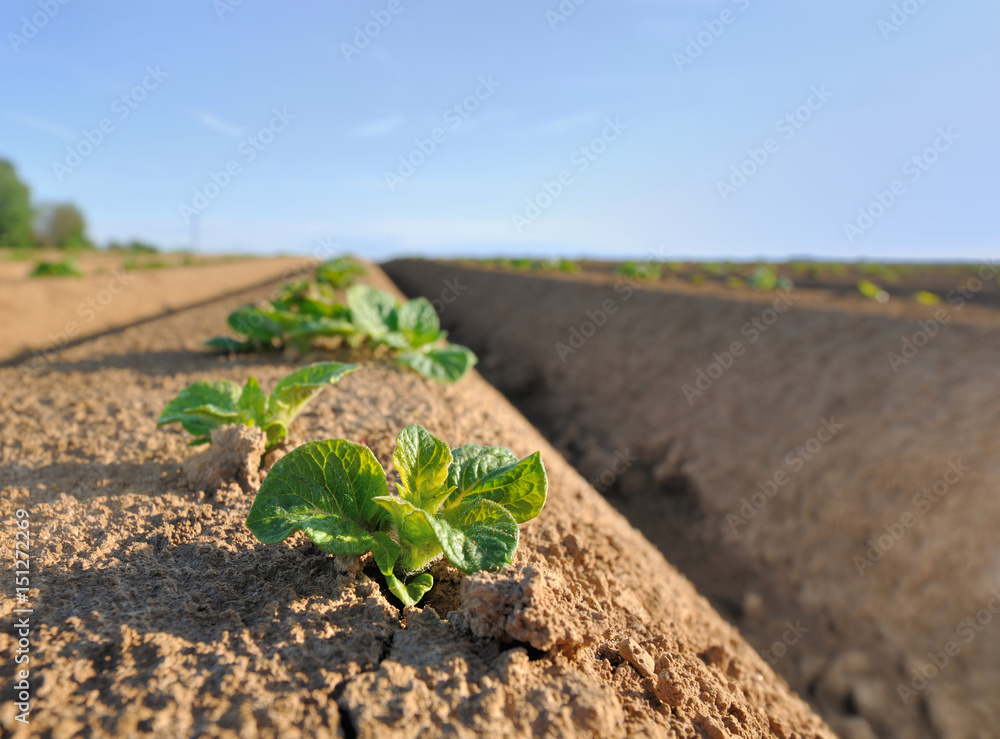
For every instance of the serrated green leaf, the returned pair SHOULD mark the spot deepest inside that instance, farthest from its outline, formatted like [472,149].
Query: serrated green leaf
[418,322]
[494,473]
[256,324]
[327,489]
[422,461]
[229,345]
[448,364]
[294,390]
[189,407]
[410,593]
[476,535]
[373,311]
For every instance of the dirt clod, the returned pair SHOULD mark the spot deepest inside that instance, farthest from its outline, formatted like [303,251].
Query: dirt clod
[636,656]
[234,456]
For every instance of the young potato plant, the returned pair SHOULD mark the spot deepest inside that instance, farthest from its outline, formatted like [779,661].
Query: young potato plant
[267,327]
[464,504]
[412,329]
[204,406]
[339,272]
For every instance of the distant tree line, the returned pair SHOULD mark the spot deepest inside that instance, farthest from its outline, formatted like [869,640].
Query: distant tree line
[48,225]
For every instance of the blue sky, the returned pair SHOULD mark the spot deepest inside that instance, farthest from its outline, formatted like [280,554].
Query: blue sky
[604,128]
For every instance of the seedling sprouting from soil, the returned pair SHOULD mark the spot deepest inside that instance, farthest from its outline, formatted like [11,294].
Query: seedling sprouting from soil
[339,272]
[62,268]
[204,406]
[306,311]
[412,329]
[464,504]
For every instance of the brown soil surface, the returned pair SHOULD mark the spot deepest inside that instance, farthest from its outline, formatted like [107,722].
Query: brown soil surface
[156,612]
[39,316]
[880,539]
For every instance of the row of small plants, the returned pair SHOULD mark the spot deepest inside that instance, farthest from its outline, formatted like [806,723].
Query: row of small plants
[761,277]
[463,504]
[309,310]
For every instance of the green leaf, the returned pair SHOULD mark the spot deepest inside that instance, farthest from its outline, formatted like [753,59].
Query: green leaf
[476,535]
[339,272]
[410,593]
[229,345]
[448,364]
[275,431]
[418,322]
[294,390]
[327,489]
[203,406]
[494,473]
[253,401]
[256,324]
[373,311]
[422,461]
[418,543]
[385,551]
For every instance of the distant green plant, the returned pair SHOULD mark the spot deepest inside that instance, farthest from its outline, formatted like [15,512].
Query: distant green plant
[205,406]
[412,329]
[697,279]
[872,291]
[926,298]
[735,282]
[464,503]
[640,270]
[339,272]
[306,312]
[764,278]
[62,268]
[569,266]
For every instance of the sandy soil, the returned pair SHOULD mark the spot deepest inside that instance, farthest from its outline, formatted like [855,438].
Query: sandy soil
[806,485]
[40,316]
[157,613]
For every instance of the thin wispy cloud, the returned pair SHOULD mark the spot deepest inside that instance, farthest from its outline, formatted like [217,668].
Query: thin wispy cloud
[379,127]
[40,124]
[213,123]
